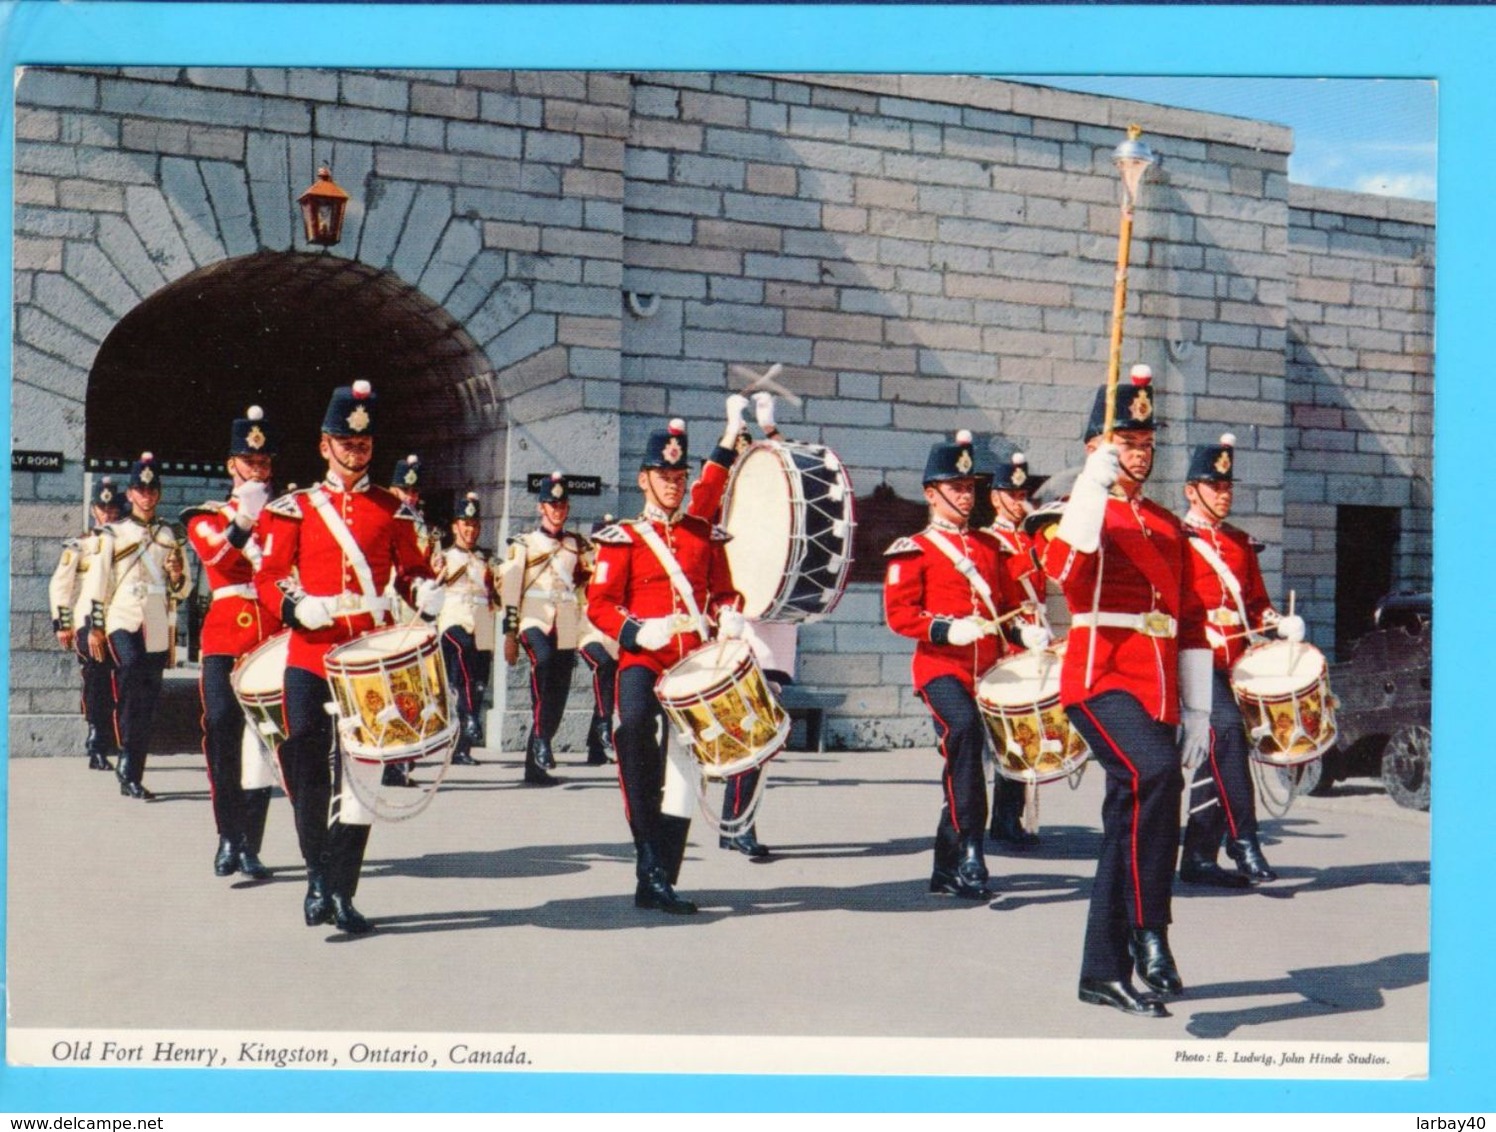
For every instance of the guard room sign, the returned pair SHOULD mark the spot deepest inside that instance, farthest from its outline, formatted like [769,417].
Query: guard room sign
[24,461]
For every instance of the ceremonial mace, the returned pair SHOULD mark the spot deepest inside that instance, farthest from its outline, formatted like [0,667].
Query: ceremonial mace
[1132,159]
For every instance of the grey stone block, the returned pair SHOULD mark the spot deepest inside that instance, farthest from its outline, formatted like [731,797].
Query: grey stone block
[43,87]
[385,208]
[359,89]
[269,174]
[461,241]
[429,214]
[360,125]
[188,196]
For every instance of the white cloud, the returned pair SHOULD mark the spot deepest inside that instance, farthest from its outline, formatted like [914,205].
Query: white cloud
[1414,186]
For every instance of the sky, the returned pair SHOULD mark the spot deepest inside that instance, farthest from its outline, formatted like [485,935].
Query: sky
[1364,135]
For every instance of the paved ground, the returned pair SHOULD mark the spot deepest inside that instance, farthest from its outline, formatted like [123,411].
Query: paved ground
[507,910]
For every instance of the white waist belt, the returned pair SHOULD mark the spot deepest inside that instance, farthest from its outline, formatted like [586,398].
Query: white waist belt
[1149,624]
[145,589]
[348,604]
[244,589]
[536,594]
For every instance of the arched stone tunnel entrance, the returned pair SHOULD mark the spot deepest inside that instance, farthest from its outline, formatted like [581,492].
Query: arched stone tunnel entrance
[282,329]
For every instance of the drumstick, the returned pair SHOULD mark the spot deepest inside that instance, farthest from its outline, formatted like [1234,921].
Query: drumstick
[766,380]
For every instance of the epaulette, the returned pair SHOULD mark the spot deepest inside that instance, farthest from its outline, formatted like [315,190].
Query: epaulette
[721,534]
[211,507]
[405,511]
[904,545]
[613,534]
[1042,518]
[285,506]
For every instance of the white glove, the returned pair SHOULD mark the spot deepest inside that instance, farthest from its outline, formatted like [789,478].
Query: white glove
[1194,738]
[763,410]
[731,624]
[1034,637]
[965,631]
[250,497]
[1103,466]
[315,612]
[430,596]
[1291,628]
[1085,510]
[737,405]
[654,633]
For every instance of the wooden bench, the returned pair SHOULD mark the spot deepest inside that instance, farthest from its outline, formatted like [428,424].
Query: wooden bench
[810,705]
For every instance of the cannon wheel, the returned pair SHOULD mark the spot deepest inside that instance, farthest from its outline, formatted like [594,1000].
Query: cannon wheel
[1405,767]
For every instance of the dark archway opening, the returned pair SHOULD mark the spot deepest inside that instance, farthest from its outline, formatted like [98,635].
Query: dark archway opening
[282,330]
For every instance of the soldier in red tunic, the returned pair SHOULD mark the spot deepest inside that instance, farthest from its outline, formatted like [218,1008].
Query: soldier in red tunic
[945,587]
[329,551]
[1229,584]
[223,537]
[1136,648]
[1012,486]
[659,583]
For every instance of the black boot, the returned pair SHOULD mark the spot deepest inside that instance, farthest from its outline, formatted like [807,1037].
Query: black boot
[348,919]
[1007,816]
[535,774]
[462,756]
[1247,854]
[654,890]
[129,781]
[674,833]
[544,759]
[317,907]
[943,875]
[96,748]
[599,742]
[256,809]
[1121,994]
[971,869]
[1149,948]
[746,843]
[1197,863]
[226,860]
[346,845]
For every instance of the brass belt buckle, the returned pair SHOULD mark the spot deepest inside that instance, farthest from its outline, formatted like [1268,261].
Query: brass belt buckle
[346,602]
[1223,617]
[1156,624]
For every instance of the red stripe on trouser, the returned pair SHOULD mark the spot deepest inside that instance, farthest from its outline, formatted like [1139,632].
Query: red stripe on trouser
[1137,876]
[534,689]
[947,780]
[1223,797]
[467,685]
[203,722]
[119,735]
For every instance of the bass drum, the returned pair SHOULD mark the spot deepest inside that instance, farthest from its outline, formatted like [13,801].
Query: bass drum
[790,510]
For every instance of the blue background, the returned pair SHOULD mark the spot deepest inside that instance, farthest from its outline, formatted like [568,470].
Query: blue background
[1451,45]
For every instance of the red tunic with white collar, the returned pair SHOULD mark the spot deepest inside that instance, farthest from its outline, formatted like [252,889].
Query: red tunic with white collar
[303,558]
[236,621]
[630,584]
[1223,616]
[923,593]
[1026,581]
[1144,567]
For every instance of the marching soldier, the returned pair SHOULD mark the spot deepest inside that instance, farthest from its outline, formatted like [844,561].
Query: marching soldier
[223,537]
[600,651]
[141,574]
[466,623]
[1228,582]
[1136,649]
[405,483]
[329,550]
[945,587]
[660,581]
[70,622]
[1012,486]
[538,587]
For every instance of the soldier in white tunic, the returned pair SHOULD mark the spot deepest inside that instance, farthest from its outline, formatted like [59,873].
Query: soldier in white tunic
[538,586]
[142,573]
[466,623]
[70,622]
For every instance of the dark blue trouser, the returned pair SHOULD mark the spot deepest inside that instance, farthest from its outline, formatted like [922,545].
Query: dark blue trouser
[641,755]
[138,679]
[1139,827]
[550,680]
[223,738]
[1223,802]
[467,669]
[312,772]
[963,739]
[98,693]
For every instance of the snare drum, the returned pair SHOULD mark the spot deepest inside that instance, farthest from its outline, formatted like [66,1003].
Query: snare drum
[789,508]
[257,681]
[721,706]
[390,690]
[1020,701]
[1283,691]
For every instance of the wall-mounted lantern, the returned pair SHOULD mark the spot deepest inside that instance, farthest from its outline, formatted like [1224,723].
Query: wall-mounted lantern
[322,209]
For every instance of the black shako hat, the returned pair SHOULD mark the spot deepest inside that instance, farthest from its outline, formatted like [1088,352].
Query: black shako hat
[1136,405]
[106,494]
[1213,463]
[407,473]
[666,449]
[145,472]
[351,411]
[552,489]
[951,460]
[468,508]
[1013,475]
[251,434]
